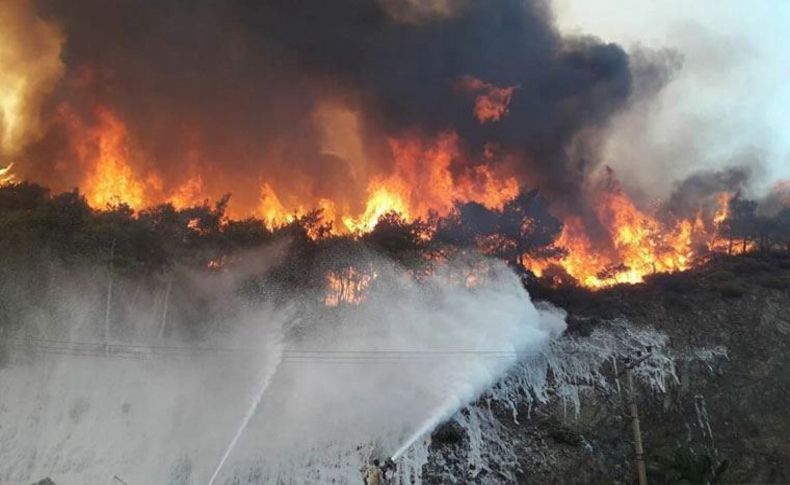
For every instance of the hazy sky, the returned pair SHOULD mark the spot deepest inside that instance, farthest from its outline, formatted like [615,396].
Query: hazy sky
[729,103]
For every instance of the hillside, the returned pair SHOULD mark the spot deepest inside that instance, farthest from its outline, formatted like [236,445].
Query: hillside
[723,416]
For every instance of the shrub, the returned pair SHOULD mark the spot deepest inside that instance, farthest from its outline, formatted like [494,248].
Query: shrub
[676,282]
[751,265]
[732,290]
[687,465]
[774,282]
[676,302]
[720,276]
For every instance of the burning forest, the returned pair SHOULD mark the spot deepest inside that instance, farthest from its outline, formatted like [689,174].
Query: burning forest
[318,125]
[352,141]
[195,178]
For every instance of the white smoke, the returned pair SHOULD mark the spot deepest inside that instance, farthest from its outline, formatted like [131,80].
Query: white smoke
[85,418]
[348,383]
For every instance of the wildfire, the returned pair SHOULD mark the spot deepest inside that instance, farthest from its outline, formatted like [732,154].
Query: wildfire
[381,202]
[104,149]
[641,244]
[6,175]
[190,194]
[275,214]
[347,286]
[426,180]
[111,165]
[723,210]
[272,210]
[421,183]
[30,66]
[491,103]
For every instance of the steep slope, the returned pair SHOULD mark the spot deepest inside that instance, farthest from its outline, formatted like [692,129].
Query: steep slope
[722,415]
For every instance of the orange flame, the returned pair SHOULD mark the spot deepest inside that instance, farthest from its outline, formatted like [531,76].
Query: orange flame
[381,202]
[275,215]
[6,175]
[347,286]
[641,245]
[30,67]
[104,149]
[190,194]
[420,183]
[427,178]
[491,103]
[113,181]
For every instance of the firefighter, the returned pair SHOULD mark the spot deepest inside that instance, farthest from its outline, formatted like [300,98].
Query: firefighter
[373,475]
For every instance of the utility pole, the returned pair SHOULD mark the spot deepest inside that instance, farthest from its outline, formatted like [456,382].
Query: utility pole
[633,413]
[638,449]
[109,302]
[167,304]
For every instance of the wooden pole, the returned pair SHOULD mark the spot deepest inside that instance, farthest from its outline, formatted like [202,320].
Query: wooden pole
[640,453]
[109,302]
[167,304]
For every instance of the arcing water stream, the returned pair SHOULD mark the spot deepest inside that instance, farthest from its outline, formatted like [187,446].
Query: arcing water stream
[73,432]
[268,372]
[445,411]
[355,383]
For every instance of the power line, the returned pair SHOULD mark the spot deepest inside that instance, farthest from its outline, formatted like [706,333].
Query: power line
[335,356]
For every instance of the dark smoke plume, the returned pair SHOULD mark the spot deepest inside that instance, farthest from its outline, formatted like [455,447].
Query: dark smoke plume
[231,88]
[701,189]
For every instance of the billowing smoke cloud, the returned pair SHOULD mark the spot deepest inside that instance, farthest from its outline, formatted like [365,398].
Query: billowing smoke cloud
[305,95]
[701,189]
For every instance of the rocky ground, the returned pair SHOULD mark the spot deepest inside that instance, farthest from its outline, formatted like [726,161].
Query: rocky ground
[724,420]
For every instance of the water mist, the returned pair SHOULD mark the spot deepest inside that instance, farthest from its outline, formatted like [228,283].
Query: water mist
[304,396]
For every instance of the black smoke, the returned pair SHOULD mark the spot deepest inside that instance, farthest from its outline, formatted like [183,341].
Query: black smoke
[702,189]
[237,82]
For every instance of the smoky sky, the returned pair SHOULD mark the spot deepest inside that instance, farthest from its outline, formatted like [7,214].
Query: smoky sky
[238,80]
[704,187]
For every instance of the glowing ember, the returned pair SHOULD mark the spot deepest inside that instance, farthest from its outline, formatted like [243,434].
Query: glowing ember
[347,286]
[218,263]
[194,224]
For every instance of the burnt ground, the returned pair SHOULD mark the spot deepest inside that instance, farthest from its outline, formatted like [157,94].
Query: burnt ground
[728,422]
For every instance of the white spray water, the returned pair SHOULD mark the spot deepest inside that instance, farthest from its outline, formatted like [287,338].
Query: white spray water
[248,416]
[151,412]
[357,382]
[443,412]
[371,380]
